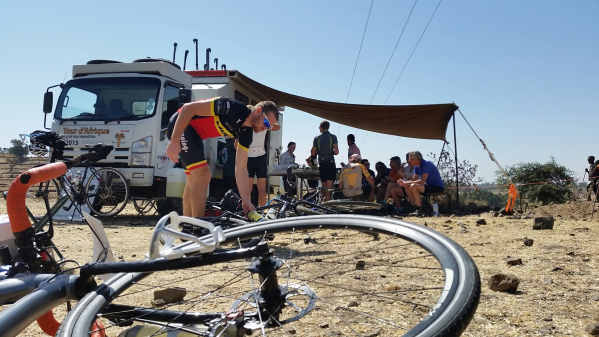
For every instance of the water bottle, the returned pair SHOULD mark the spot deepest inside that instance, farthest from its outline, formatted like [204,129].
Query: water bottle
[435,209]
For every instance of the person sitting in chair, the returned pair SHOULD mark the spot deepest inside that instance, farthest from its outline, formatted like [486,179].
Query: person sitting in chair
[426,179]
[351,179]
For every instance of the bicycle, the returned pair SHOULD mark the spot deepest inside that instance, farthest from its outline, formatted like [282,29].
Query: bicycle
[317,268]
[339,204]
[290,289]
[104,190]
[35,253]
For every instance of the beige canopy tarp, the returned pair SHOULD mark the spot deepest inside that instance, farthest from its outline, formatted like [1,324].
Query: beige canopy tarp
[415,121]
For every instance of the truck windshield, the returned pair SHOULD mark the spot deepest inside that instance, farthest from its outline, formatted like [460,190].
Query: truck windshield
[107,99]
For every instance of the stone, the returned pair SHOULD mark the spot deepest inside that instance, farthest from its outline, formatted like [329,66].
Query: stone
[543,222]
[481,222]
[308,240]
[291,331]
[507,283]
[168,295]
[528,242]
[593,329]
[558,268]
[360,265]
[353,304]
[324,325]
[514,261]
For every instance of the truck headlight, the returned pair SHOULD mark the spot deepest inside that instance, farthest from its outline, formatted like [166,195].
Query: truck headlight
[142,145]
[140,159]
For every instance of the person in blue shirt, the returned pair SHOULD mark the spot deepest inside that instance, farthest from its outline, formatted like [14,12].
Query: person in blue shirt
[426,179]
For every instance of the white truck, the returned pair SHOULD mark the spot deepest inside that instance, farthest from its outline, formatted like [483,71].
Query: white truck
[128,105]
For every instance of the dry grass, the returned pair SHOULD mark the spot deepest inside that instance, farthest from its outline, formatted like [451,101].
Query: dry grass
[559,288]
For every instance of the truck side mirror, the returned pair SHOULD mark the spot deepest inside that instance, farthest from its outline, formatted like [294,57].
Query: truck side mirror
[184,95]
[48,102]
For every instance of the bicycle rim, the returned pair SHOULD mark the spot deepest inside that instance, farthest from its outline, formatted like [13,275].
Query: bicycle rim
[340,279]
[107,191]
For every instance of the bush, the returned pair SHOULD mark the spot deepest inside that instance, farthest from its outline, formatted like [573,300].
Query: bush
[484,197]
[19,149]
[549,182]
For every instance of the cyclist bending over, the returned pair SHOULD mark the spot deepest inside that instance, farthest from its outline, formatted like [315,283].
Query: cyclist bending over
[211,118]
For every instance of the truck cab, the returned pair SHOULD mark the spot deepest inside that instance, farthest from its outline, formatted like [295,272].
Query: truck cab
[128,105]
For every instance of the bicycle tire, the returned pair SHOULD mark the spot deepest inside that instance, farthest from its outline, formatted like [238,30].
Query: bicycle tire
[303,210]
[353,206]
[449,316]
[50,189]
[101,190]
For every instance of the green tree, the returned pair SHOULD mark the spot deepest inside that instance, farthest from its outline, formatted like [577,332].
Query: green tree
[542,182]
[18,149]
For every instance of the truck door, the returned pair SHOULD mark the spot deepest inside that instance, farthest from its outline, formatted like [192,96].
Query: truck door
[170,105]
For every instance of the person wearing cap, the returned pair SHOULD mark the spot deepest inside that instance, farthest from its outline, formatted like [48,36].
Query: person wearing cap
[210,118]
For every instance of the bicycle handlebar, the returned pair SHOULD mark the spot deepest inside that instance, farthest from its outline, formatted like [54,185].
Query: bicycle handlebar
[15,200]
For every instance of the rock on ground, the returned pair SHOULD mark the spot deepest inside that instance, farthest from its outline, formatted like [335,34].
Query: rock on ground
[507,283]
[543,222]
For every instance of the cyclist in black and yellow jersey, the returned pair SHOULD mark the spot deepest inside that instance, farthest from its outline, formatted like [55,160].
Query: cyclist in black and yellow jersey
[210,118]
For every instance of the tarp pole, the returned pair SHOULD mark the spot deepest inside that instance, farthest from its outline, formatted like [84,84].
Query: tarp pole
[457,179]
[441,153]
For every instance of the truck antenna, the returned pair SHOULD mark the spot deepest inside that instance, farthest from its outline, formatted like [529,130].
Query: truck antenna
[174,51]
[223,67]
[216,63]
[185,59]
[195,41]
[207,65]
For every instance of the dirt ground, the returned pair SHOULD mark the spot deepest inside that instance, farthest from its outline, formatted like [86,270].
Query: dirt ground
[559,280]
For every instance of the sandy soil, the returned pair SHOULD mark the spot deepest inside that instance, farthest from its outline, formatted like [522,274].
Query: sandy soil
[558,293]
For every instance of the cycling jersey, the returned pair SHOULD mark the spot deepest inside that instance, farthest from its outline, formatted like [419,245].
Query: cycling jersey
[225,120]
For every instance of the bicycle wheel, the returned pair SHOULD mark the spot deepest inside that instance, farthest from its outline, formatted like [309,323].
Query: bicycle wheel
[334,279]
[145,206]
[353,206]
[37,196]
[106,191]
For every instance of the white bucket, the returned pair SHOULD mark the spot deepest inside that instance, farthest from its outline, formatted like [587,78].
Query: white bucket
[175,182]
[7,238]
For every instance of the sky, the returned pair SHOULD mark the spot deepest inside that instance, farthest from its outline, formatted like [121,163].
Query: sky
[524,73]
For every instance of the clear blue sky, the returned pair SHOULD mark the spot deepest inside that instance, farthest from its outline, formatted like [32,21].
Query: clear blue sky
[525,73]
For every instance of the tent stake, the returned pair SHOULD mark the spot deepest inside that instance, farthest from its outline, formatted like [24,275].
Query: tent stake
[457,179]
